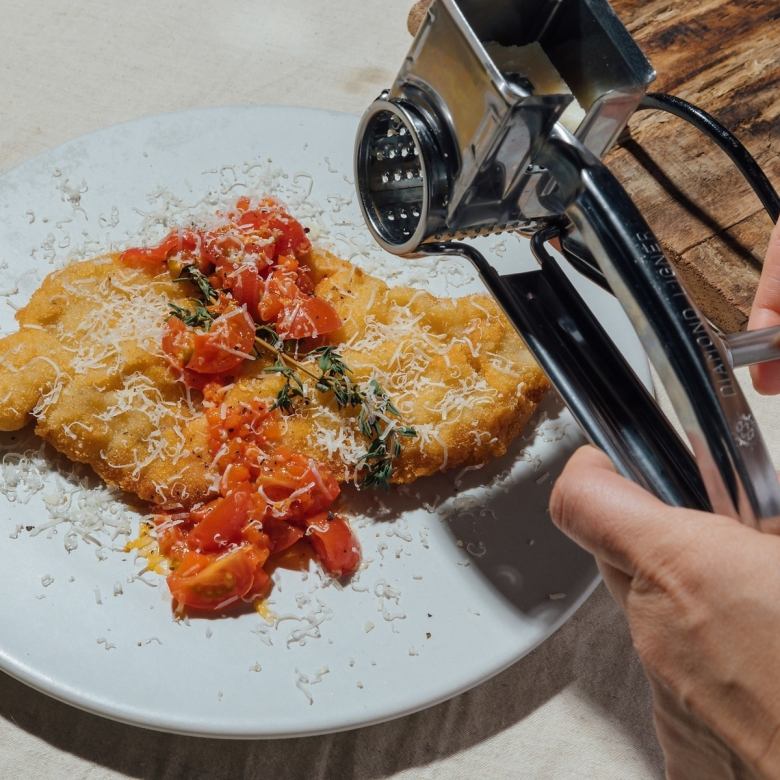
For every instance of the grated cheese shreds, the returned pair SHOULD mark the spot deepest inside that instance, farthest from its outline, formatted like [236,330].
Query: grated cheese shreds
[73,498]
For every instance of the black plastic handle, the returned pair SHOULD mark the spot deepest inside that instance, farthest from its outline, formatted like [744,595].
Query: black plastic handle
[730,452]
[599,387]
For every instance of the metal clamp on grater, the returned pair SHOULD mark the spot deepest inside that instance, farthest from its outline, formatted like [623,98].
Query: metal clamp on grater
[497,121]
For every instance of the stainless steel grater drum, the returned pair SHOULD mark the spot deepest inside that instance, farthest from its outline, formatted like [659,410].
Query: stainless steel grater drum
[498,120]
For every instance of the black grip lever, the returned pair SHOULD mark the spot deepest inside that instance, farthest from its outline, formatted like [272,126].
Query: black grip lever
[689,356]
[597,384]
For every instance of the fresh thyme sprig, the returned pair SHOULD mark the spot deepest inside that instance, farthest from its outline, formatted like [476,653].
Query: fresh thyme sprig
[334,377]
[382,433]
[267,334]
[199,317]
[287,366]
[291,389]
[189,273]
[288,360]
[376,409]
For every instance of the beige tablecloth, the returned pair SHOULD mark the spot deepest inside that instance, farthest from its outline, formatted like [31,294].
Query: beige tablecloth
[577,707]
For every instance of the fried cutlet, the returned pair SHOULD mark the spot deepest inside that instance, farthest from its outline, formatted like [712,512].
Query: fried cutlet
[87,366]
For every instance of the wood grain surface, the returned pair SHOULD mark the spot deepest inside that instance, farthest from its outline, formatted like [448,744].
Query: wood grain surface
[724,56]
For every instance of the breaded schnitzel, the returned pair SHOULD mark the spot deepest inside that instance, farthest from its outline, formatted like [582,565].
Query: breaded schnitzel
[88,367]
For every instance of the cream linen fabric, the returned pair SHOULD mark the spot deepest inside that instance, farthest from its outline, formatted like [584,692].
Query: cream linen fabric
[578,707]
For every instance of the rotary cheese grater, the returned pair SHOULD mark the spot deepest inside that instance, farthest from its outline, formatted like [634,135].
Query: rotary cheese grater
[498,120]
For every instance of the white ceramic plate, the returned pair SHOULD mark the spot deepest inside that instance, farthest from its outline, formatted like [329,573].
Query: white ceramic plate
[464,575]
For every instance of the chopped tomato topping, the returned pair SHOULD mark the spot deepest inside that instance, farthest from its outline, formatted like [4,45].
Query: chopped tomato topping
[296,484]
[281,533]
[334,544]
[222,348]
[206,582]
[257,259]
[249,270]
[225,346]
[222,522]
[271,220]
[154,258]
[307,318]
[271,499]
[244,284]
[178,341]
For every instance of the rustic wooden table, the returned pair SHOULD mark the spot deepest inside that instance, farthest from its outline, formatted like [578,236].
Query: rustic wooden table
[723,56]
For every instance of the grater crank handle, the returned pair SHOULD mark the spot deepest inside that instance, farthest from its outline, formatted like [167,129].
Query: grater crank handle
[602,391]
[688,355]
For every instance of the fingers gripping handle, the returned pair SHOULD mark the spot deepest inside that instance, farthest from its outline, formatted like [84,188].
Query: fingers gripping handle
[690,358]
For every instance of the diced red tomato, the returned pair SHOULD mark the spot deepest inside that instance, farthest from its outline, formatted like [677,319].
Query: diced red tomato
[244,284]
[218,248]
[153,258]
[281,534]
[279,290]
[307,318]
[209,582]
[222,522]
[307,487]
[291,238]
[236,476]
[254,534]
[261,584]
[171,541]
[178,341]
[221,348]
[305,282]
[225,345]
[334,544]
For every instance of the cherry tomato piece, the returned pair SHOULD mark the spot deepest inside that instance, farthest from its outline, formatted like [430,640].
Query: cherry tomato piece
[291,238]
[178,341]
[244,284]
[213,582]
[308,318]
[153,258]
[261,584]
[171,540]
[334,544]
[281,534]
[286,474]
[280,290]
[223,346]
[221,523]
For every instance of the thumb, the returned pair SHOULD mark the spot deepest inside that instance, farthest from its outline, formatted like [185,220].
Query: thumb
[615,519]
[416,15]
[766,313]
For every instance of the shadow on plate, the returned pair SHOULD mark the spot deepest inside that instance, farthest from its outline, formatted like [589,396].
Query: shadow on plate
[497,515]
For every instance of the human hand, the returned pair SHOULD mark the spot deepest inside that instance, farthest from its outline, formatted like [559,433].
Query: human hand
[702,597]
[766,314]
